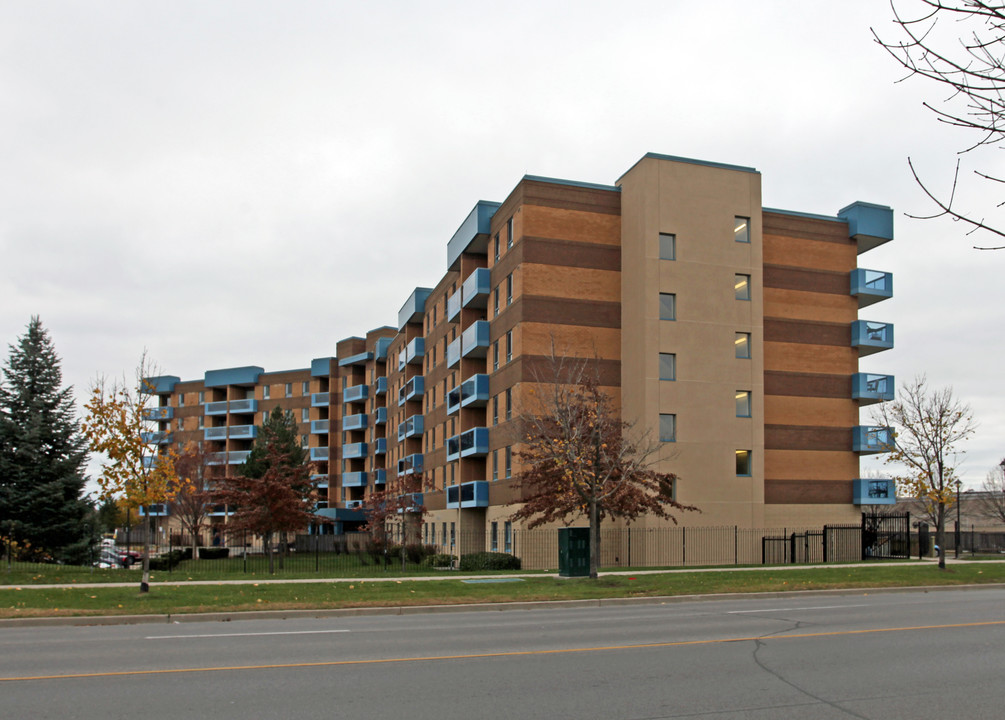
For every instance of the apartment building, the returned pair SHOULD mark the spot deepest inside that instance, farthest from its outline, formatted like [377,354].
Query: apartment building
[726,331]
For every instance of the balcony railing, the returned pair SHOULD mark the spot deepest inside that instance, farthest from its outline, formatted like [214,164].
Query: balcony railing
[354,479]
[868,439]
[415,351]
[412,427]
[214,433]
[320,427]
[319,454]
[410,464]
[871,286]
[874,491]
[380,446]
[215,408]
[380,477]
[156,438]
[475,290]
[475,340]
[413,389]
[410,502]
[868,388]
[246,406]
[320,399]
[231,458]
[158,413]
[356,393]
[242,432]
[380,416]
[871,337]
[320,481]
[154,510]
[352,451]
[454,353]
[355,422]
[468,495]
[453,306]
[473,392]
[381,385]
[354,505]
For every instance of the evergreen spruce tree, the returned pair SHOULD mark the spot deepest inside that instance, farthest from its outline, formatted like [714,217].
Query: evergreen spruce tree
[42,455]
[278,429]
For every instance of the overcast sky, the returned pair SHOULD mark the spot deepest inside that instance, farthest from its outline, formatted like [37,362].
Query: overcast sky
[246,183]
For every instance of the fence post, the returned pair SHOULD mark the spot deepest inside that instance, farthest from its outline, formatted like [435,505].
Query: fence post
[825,544]
[736,544]
[763,543]
[244,550]
[792,548]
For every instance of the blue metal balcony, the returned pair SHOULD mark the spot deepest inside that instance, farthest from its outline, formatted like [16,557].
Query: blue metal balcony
[214,433]
[158,413]
[415,351]
[380,446]
[352,451]
[475,290]
[381,386]
[871,286]
[869,225]
[358,359]
[356,393]
[473,392]
[868,439]
[380,476]
[468,495]
[154,510]
[320,427]
[244,407]
[475,340]
[217,458]
[156,438]
[320,481]
[410,502]
[242,432]
[454,353]
[237,458]
[410,464]
[320,399]
[358,421]
[868,388]
[871,337]
[412,427]
[414,307]
[354,479]
[380,416]
[469,443]
[354,505]
[453,307]
[412,390]
[215,408]
[874,491]
[219,511]
[319,454]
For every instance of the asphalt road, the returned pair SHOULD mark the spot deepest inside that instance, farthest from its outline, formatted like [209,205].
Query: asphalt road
[911,655]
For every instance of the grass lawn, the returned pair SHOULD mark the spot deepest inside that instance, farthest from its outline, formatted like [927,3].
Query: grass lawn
[26,601]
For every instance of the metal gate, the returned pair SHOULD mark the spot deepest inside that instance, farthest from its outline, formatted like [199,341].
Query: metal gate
[886,536]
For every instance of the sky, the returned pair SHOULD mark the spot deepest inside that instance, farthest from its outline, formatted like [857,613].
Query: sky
[246,183]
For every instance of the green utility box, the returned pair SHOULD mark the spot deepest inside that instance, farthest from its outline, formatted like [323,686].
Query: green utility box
[574,552]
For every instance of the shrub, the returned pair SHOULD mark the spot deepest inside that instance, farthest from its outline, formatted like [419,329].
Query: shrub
[436,560]
[213,553]
[489,561]
[166,561]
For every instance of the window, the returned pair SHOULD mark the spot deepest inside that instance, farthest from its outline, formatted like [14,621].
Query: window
[495,464]
[495,537]
[495,355]
[181,399]
[202,422]
[508,536]
[265,392]
[305,387]
[453,535]
[289,389]
[305,415]
[509,403]
[743,403]
[741,284]
[509,233]
[434,315]
[509,289]
[509,461]
[743,345]
[432,533]
[495,301]
[202,396]
[743,463]
[496,243]
[668,306]
[495,410]
[668,366]
[668,247]
[509,345]
[181,424]
[741,229]
[303,441]
[668,427]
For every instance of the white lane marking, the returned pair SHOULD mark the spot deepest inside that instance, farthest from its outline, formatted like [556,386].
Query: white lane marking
[249,634]
[796,609]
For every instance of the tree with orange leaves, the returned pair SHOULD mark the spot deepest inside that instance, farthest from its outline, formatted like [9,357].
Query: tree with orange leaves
[580,458]
[117,426]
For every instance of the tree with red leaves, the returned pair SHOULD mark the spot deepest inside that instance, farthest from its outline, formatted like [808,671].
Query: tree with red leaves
[279,500]
[400,502]
[192,496]
[579,457]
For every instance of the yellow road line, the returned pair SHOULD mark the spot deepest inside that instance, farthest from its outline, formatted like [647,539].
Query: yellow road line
[514,653]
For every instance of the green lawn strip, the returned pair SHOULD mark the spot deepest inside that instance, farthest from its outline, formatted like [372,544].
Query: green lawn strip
[181,599]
